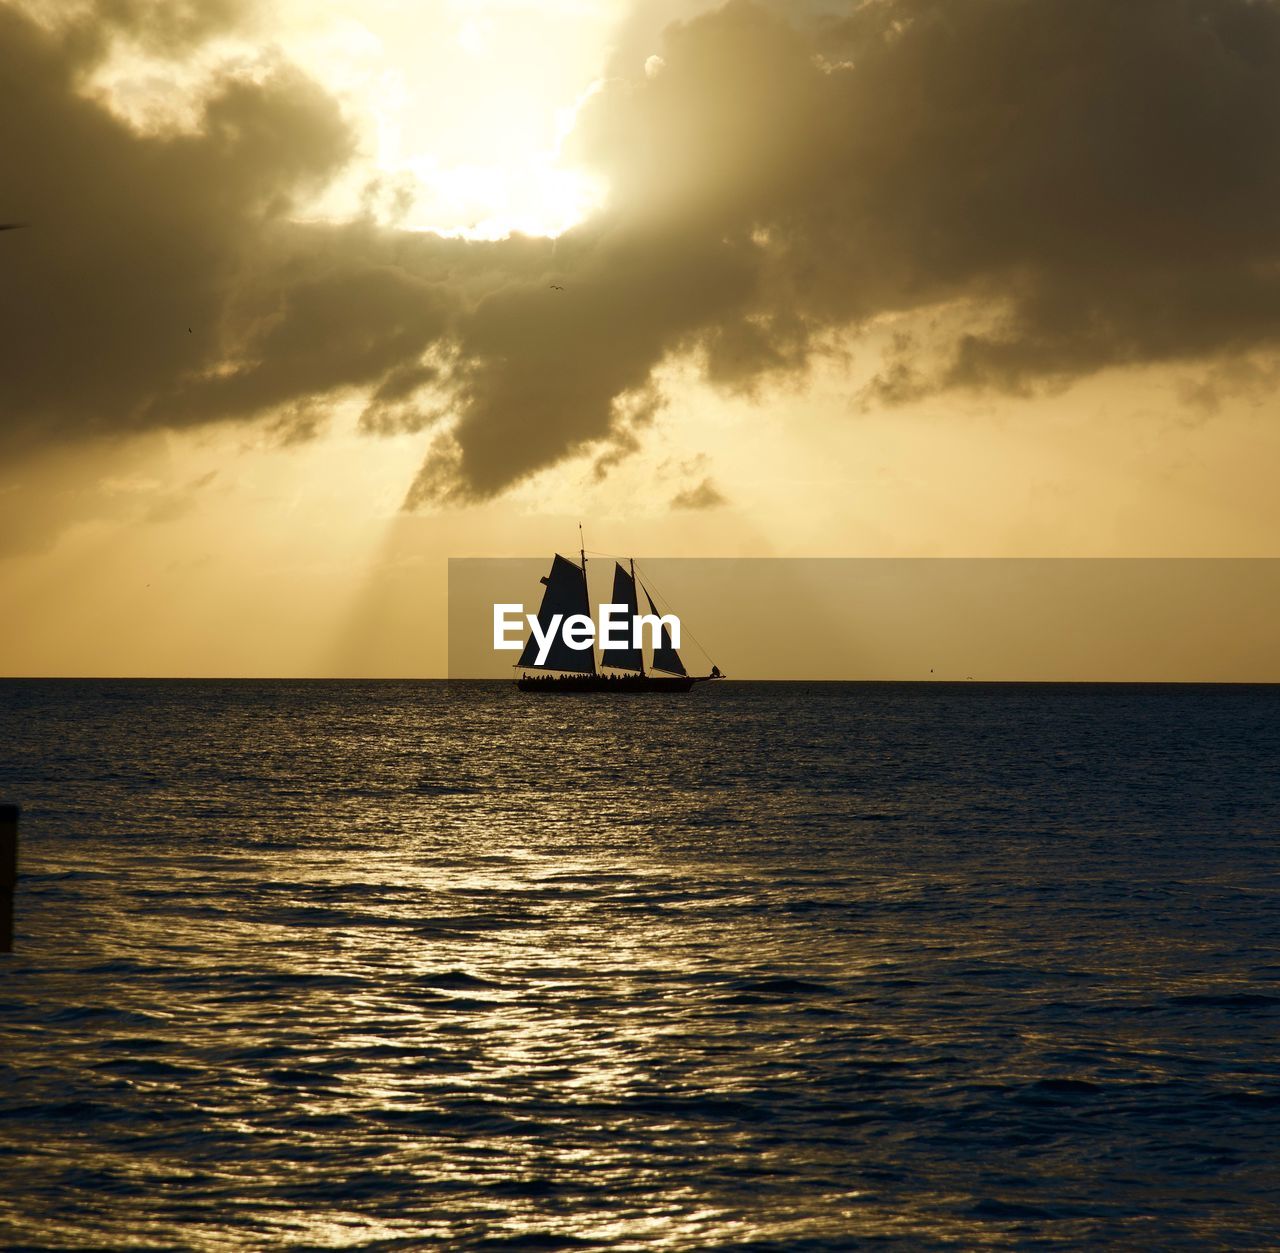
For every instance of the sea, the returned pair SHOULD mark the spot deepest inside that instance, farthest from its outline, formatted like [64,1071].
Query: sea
[766,966]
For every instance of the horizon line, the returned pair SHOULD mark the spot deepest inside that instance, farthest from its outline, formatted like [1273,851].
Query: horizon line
[930,682]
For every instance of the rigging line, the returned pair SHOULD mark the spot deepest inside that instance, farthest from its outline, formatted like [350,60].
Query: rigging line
[648,587]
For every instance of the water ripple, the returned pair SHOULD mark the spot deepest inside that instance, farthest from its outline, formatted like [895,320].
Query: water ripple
[776,967]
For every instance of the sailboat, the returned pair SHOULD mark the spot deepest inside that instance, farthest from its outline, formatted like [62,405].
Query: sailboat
[565,669]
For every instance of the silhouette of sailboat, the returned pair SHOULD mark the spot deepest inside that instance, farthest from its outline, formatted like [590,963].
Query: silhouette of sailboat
[565,669]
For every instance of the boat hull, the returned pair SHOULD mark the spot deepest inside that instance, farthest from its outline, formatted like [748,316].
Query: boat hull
[574,683]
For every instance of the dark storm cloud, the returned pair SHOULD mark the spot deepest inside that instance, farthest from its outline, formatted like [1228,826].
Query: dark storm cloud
[1099,179]
[542,371]
[1040,189]
[119,290]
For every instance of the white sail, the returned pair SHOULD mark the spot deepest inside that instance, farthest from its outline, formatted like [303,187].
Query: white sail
[624,593]
[566,595]
[665,657]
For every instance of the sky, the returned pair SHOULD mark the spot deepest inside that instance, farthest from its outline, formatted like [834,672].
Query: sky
[308,298]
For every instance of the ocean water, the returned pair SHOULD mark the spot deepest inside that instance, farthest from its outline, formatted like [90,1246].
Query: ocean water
[767,966]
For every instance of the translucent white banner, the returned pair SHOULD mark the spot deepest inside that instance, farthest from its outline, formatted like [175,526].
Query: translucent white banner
[993,620]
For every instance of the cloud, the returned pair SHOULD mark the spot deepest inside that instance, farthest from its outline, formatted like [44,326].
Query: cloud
[704,496]
[118,296]
[169,26]
[1034,190]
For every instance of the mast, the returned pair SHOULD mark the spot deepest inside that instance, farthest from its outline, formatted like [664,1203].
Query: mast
[637,600]
[586,587]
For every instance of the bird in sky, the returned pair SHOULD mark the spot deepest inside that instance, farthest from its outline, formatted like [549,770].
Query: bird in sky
[556,287]
[14,226]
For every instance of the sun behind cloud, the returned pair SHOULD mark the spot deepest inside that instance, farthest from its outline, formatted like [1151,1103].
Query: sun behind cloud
[462,109]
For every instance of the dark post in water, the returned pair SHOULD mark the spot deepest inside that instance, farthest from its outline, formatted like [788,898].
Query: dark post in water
[8,873]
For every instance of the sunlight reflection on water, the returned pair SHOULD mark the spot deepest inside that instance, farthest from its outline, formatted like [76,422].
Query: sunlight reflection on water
[778,966]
